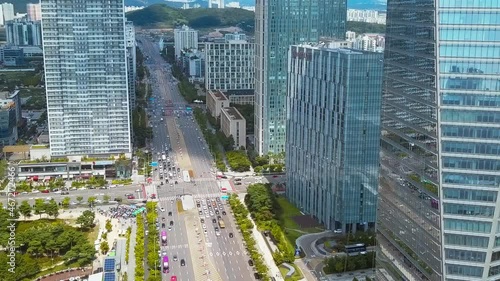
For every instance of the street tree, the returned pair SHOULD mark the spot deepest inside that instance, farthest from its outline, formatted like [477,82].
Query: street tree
[65,202]
[86,219]
[104,247]
[25,209]
[106,198]
[52,209]
[91,200]
[79,199]
[39,207]
[109,226]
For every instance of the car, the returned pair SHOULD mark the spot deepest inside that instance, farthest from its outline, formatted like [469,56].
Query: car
[237,179]
[176,182]
[162,209]
[200,213]
[214,221]
[162,219]
[337,231]
[204,226]
[45,191]
[219,217]
[216,228]
[224,213]
[163,225]
[250,262]
[256,275]
[231,235]
[202,220]
[173,278]
[130,197]
[216,212]
[175,257]
[238,183]
[171,223]
[205,231]
[183,262]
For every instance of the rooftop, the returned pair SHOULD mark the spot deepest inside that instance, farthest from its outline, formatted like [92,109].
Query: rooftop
[233,113]
[218,95]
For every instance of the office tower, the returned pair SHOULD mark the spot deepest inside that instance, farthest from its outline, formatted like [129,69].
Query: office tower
[34,12]
[8,12]
[10,117]
[185,38]
[229,64]
[21,32]
[279,24]
[86,77]
[333,134]
[441,109]
[131,62]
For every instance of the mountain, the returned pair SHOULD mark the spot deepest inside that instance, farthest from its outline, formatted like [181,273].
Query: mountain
[161,15]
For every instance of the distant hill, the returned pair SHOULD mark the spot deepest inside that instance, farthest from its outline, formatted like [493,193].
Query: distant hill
[161,15]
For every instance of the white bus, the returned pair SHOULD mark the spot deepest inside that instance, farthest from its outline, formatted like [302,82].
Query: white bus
[185,176]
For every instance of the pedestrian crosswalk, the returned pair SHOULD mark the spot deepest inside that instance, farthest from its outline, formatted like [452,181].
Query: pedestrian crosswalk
[174,247]
[195,196]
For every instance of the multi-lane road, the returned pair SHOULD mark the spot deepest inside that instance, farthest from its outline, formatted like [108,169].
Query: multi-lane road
[208,254]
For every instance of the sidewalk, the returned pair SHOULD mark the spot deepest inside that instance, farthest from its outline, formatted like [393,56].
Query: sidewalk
[274,271]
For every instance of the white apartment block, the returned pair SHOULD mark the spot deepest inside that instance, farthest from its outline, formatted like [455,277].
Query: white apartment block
[216,4]
[131,61]
[369,42]
[229,64]
[185,38]
[216,100]
[7,12]
[34,12]
[86,77]
[370,16]
[20,32]
[233,124]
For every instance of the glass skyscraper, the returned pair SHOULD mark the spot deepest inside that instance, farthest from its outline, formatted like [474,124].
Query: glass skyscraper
[439,205]
[279,24]
[86,77]
[333,135]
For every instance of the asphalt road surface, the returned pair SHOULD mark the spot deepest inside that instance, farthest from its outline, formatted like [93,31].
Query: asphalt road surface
[188,146]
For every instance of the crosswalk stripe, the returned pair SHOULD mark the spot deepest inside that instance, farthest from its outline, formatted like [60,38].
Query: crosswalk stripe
[195,196]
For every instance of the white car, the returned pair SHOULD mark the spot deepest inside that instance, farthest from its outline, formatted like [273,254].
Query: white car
[337,231]
[162,209]
[204,226]
[57,192]
[35,191]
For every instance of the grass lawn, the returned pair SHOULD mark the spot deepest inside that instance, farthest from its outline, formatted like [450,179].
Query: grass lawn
[296,275]
[286,220]
[93,234]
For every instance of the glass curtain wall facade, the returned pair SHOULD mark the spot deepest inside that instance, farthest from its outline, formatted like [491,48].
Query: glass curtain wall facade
[409,218]
[86,76]
[440,169]
[469,103]
[333,135]
[279,24]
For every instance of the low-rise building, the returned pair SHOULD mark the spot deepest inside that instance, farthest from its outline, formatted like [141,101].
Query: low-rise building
[216,100]
[193,65]
[240,96]
[12,56]
[233,124]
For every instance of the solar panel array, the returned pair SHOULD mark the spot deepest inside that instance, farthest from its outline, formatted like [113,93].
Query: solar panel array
[109,265]
[109,276]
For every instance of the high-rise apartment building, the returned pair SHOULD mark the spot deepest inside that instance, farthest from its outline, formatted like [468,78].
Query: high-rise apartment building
[7,12]
[20,32]
[439,200]
[185,38]
[333,134]
[279,24]
[229,65]
[33,11]
[85,59]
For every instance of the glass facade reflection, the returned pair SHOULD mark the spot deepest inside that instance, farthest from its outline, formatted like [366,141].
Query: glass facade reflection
[333,135]
[441,141]
[279,24]
[469,103]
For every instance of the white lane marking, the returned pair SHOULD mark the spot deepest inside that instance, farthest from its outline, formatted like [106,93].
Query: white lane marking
[218,254]
[230,253]
[224,253]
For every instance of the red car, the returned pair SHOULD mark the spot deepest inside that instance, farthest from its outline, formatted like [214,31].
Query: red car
[130,197]
[45,191]
[173,278]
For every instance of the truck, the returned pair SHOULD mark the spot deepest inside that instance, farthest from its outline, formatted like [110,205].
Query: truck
[191,173]
[185,176]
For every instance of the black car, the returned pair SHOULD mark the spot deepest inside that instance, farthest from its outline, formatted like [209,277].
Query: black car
[224,213]
[256,275]
[171,223]
[161,183]
[231,235]
[202,220]
[238,183]
[250,262]
[183,262]
[216,212]
[170,213]
[175,182]
[163,225]
[214,221]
